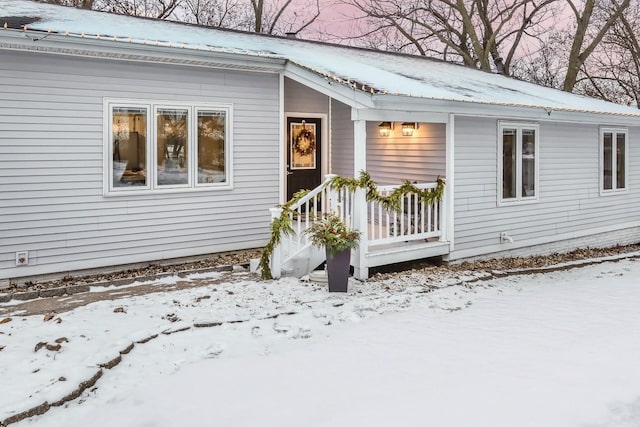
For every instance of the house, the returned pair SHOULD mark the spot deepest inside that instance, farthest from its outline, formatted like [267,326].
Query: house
[129,140]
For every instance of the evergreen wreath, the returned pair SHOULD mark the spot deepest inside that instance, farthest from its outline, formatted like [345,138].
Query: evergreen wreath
[305,142]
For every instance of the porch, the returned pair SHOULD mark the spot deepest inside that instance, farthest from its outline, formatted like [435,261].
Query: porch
[387,236]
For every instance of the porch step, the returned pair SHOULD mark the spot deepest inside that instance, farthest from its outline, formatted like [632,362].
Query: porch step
[405,251]
[303,263]
[300,265]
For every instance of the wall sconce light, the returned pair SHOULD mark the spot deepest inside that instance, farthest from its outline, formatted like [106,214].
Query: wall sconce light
[385,128]
[408,128]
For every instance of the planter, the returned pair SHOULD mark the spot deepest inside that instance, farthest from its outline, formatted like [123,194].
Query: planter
[338,270]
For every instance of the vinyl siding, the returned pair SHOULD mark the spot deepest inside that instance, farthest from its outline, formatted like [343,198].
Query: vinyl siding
[341,139]
[300,99]
[417,158]
[51,161]
[569,202]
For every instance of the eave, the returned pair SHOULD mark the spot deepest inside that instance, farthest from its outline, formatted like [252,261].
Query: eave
[140,51]
[424,105]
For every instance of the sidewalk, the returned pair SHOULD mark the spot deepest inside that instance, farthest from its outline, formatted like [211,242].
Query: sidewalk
[66,298]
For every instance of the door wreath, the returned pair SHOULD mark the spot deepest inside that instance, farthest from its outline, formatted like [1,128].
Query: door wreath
[305,142]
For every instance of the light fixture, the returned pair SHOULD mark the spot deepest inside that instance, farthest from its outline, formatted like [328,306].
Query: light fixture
[385,128]
[408,128]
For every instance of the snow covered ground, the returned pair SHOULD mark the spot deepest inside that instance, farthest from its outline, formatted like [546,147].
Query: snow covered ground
[554,349]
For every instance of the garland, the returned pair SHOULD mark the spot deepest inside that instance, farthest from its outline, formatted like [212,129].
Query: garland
[283,227]
[393,201]
[299,145]
[279,227]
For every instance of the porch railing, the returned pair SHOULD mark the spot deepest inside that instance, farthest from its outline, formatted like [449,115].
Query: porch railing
[416,220]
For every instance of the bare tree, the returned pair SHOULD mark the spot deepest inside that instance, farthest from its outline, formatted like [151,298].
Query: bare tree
[84,4]
[479,33]
[613,71]
[159,9]
[593,19]
[214,13]
[261,16]
[544,62]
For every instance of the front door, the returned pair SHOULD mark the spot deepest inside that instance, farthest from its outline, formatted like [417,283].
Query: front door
[304,160]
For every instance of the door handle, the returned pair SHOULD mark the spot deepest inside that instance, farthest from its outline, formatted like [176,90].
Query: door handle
[289,173]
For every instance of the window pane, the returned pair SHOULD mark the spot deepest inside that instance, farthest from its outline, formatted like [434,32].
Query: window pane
[129,129]
[172,136]
[621,159]
[607,170]
[211,139]
[508,163]
[528,162]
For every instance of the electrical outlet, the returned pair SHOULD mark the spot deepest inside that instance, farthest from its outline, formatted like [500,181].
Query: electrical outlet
[22,258]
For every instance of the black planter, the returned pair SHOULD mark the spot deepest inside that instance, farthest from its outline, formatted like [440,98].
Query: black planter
[338,270]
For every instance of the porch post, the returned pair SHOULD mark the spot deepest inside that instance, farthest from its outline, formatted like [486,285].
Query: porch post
[361,271]
[276,255]
[448,199]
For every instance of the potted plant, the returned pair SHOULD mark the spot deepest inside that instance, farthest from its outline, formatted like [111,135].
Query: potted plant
[338,240]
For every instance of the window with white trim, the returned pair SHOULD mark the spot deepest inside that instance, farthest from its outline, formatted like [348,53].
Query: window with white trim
[613,160]
[167,146]
[517,162]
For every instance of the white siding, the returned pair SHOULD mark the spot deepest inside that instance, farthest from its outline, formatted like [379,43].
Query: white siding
[417,158]
[569,206]
[300,99]
[341,139]
[51,178]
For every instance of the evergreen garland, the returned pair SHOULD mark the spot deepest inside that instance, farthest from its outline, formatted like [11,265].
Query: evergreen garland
[393,202]
[281,226]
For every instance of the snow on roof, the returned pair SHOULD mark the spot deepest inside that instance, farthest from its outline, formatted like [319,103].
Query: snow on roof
[374,72]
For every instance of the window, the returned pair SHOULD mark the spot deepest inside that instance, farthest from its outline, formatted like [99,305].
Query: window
[613,164]
[166,147]
[518,162]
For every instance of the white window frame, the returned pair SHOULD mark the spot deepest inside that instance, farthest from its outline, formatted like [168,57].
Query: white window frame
[519,127]
[152,186]
[615,131]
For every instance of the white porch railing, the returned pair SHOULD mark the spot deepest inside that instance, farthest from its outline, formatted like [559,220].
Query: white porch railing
[417,220]
[302,214]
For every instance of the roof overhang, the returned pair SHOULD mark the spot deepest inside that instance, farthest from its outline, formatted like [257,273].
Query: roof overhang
[418,106]
[122,50]
[347,95]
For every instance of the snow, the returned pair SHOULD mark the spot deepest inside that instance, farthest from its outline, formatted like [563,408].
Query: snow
[393,74]
[553,349]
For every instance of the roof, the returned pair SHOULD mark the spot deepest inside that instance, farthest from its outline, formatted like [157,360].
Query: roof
[376,73]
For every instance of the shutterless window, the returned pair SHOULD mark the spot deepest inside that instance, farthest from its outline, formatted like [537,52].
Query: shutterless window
[129,147]
[614,159]
[211,158]
[172,146]
[156,147]
[518,162]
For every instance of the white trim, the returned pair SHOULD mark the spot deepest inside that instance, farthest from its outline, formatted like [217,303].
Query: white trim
[122,50]
[108,188]
[449,189]
[614,160]
[501,112]
[153,136]
[381,115]
[282,148]
[338,91]
[519,198]
[323,147]
[152,187]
